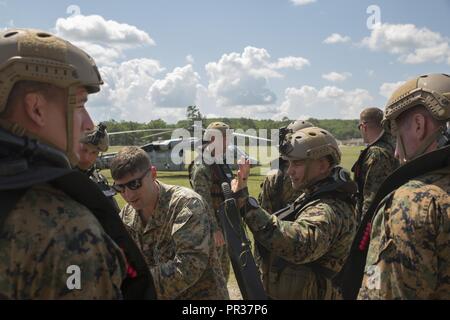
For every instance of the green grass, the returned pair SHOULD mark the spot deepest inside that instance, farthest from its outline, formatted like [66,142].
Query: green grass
[180,178]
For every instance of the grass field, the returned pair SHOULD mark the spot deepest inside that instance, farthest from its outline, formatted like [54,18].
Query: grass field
[349,156]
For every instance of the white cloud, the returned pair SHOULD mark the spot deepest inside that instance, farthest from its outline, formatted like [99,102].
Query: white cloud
[124,94]
[413,45]
[387,88]
[104,39]
[336,38]
[336,77]
[137,90]
[326,102]
[177,89]
[102,55]
[302,2]
[296,63]
[95,28]
[190,59]
[241,79]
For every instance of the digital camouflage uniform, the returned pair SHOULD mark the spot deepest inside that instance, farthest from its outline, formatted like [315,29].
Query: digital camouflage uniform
[409,252]
[320,236]
[46,233]
[374,165]
[206,183]
[178,246]
[276,190]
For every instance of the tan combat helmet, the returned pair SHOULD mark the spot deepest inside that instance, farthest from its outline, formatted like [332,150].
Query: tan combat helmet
[299,125]
[286,132]
[311,143]
[213,130]
[34,55]
[97,139]
[431,91]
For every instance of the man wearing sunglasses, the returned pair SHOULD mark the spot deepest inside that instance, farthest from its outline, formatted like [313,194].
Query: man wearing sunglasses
[376,161]
[171,226]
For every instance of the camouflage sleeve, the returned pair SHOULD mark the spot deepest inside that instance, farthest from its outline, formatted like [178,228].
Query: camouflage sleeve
[302,241]
[377,167]
[264,197]
[191,235]
[201,183]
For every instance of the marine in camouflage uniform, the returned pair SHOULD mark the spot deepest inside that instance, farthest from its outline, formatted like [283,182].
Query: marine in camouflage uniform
[409,250]
[45,234]
[376,162]
[306,250]
[205,180]
[94,142]
[46,231]
[276,189]
[177,240]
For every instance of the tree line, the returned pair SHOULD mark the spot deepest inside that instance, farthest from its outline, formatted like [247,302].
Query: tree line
[341,129]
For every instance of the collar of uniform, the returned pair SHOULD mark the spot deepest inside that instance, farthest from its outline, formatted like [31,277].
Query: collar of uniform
[380,137]
[159,216]
[317,185]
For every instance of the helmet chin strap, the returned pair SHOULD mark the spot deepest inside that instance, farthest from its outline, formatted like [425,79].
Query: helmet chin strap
[308,181]
[71,93]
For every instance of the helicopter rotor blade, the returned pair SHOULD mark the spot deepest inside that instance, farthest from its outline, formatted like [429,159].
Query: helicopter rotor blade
[157,134]
[250,137]
[135,131]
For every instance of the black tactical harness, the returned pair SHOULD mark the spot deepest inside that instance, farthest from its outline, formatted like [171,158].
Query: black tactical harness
[25,162]
[337,186]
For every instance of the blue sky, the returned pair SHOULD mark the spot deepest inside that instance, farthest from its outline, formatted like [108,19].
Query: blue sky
[259,59]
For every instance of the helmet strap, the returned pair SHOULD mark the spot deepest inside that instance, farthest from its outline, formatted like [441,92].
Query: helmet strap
[306,178]
[71,105]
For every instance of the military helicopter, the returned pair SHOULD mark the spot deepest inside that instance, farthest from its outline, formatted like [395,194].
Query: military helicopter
[170,155]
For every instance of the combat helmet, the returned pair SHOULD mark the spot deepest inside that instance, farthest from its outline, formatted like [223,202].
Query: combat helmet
[213,129]
[299,125]
[34,55]
[97,139]
[286,132]
[430,91]
[311,144]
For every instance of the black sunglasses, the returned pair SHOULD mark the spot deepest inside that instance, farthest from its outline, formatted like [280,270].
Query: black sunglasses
[361,124]
[132,185]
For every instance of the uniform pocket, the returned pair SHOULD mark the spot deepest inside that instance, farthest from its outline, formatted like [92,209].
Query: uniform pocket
[293,284]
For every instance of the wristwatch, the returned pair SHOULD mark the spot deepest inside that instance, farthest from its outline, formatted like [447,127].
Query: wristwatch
[252,203]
